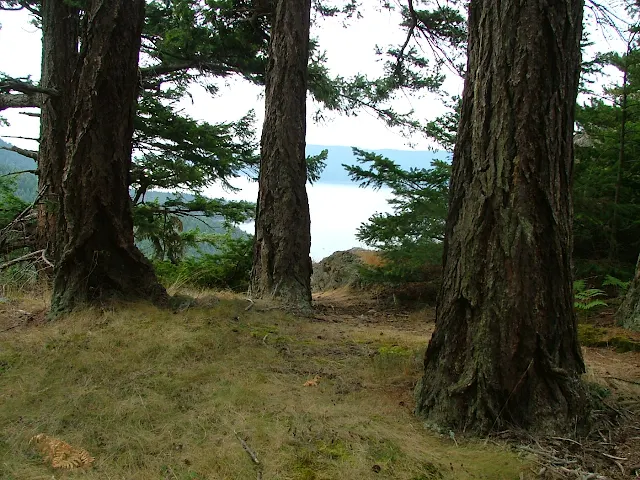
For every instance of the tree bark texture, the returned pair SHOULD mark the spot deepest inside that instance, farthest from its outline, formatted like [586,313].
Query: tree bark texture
[60,24]
[99,260]
[505,351]
[19,100]
[281,262]
[629,313]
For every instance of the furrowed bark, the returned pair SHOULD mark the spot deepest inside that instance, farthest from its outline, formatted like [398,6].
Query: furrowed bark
[281,262]
[100,260]
[505,351]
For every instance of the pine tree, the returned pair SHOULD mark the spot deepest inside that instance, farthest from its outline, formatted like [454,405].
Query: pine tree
[281,262]
[505,351]
[99,260]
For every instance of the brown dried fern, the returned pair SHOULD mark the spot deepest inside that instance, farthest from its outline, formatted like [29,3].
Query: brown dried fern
[60,454]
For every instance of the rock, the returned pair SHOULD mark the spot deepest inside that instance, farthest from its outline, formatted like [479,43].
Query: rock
[337,270]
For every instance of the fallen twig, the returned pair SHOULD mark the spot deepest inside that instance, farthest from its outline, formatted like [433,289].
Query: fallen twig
[567,440]
[612,457]
[23,258]
[45,259]
[250,306]
[11,327]
[247,449]
[633,382]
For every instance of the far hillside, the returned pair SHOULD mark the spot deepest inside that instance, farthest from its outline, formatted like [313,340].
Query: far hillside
[27,188]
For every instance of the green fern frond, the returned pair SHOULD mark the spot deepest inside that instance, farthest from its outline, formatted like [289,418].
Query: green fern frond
[615,282]
[589,305]
[579,285]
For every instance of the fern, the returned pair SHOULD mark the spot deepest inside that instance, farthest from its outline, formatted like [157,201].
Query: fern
[60,454]
[615,282]
[585,298]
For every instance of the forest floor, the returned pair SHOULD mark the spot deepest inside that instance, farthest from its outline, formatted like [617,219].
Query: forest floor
[218,390]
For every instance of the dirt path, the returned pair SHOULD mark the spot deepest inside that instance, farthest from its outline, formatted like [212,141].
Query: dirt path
[614,446]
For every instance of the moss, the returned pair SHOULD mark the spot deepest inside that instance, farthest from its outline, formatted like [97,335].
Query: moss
[384,451]
[592,336]
[394,350]
[336,450]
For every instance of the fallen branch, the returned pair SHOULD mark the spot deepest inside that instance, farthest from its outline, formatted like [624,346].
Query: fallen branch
[250,306]
[613,457]
[247,449]
[23,258]
[11,327]
[45,259]
[567,440]
[633,382]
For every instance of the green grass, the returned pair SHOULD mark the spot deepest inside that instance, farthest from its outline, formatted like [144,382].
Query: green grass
[157,395]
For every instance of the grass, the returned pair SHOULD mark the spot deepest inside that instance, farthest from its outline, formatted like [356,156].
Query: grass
[156,395]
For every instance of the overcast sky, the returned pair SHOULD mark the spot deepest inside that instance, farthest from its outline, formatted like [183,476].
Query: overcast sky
[349,51]
[336,212]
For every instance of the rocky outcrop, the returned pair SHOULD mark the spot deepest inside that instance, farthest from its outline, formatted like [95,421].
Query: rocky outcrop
[338,270]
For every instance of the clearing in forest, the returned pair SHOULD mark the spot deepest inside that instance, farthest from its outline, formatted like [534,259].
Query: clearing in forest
[220,391]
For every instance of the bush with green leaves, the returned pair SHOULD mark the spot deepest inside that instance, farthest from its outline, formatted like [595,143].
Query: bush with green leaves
[228,269]
[10,204]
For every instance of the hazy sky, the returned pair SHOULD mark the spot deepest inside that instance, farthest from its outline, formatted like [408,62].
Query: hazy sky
[349,51]
[336,211]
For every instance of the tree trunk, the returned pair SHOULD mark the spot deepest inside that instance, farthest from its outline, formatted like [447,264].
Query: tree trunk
[629,312]
[613,239]
[505,352]
[99,260]
[60,23]
[281,262]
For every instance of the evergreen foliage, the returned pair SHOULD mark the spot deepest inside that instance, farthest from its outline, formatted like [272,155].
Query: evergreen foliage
[411,236]
[607,176]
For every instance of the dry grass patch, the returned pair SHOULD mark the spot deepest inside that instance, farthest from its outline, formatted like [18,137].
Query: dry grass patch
[154,394]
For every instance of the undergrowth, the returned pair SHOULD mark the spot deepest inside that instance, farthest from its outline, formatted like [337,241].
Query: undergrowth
[154,394]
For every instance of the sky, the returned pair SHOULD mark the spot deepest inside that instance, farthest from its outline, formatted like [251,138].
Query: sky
[336,211]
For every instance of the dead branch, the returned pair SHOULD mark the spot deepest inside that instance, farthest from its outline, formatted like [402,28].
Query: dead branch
[247,449]
[16,325]
[21,138]
[23,258]
[612,457]
[45,259]
[250,306]
[23,87]
[632,382]
[567,440]
[22,215]
[35,172]
[30,114]
[19,100]
[22,151]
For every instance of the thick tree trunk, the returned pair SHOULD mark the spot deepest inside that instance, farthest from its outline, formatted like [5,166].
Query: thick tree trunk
[629,313]
[281,262]
[60,23]
[505,351]
[99,260]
